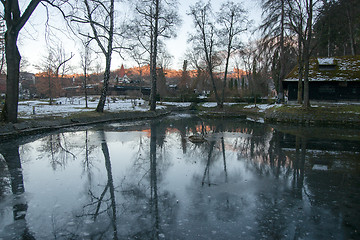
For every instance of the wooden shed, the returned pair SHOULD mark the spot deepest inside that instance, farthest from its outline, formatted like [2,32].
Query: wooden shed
[334,78]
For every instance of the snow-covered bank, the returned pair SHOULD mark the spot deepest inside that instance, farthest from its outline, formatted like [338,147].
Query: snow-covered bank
[65,106]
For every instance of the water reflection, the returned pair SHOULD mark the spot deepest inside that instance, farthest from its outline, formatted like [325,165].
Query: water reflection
[146,180]
[55,147]
[18,229]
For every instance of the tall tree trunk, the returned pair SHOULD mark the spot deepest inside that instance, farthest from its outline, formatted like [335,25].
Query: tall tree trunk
[307,43]
[217,97]
[306,102]
[14,23]
[110,183]
[208,57]
[351,30]
[86,62]
[230,36]
[101,104]
[225,74]
[154,205]
[153,61]
[85,88]
[50,87]
[10,109]
[301,70]
[282,54]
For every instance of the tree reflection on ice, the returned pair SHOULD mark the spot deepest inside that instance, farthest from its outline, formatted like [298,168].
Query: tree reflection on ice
[19,229]
[145,180]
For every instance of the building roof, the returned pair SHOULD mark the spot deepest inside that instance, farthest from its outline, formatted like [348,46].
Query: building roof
[122,71]
[345,68]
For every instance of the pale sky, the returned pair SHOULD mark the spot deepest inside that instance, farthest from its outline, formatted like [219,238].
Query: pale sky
[32,41]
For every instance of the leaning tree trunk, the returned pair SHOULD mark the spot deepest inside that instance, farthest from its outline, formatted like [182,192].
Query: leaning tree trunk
[101,104]
[107,53]
[225,74]
[10,109]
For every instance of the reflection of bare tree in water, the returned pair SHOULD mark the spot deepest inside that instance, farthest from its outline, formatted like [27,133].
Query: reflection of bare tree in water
[207,167]
[139,156]
[105,203]
[299,165]
[4,180]
[144,203]
[55,147]
[262,152]
[273,210]
[110,184]
[88,161]
[154,204]
[213,139]
[12,158]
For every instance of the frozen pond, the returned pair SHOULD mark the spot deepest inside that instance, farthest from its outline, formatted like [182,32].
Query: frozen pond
[147,180]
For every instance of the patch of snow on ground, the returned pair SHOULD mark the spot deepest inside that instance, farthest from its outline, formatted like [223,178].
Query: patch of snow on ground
[262,107]
[65,106]
[326,61]
[214,104]
[178,104]
[320,167]
[209,104]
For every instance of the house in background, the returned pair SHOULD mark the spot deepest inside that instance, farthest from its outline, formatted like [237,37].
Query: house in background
[333,78]
[122,77]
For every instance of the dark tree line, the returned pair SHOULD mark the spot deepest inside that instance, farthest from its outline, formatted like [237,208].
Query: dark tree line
[337,29]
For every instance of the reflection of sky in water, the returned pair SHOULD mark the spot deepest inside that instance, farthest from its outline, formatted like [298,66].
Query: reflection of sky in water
[249,191]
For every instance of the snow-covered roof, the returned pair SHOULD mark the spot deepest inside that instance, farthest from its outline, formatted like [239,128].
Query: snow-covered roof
[346,68]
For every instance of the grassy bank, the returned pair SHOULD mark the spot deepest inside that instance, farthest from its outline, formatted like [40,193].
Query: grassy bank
[316,115]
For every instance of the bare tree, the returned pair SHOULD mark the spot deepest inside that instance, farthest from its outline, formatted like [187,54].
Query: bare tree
[205,39]
[138,55]
[296,17]
[309,6]
[233,21]
[15,21]
[55,67]
[274,31]
[153,56]
[99,16]
[300,19]
[185,78]
[196,62]
[153,19]
[86,62]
